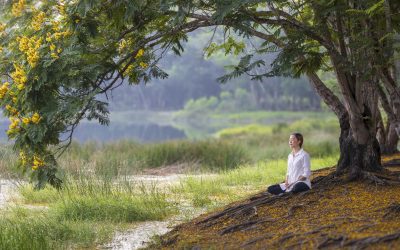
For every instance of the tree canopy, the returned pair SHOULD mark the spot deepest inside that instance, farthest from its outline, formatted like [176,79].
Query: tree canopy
[57,57]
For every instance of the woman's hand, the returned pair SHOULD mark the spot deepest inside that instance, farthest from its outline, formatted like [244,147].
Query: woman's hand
[302,178]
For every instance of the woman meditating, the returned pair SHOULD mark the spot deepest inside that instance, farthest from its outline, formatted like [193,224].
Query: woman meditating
[298,171]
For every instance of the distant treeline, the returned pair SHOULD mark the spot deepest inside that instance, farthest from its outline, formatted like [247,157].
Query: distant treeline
[276,94]
[192,77]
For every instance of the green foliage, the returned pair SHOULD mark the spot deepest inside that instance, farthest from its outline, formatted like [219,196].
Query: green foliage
[126,157]
[24,229]
[59,57]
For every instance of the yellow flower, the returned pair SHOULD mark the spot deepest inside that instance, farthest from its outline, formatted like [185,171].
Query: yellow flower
[20,86]
[56,25]
[48,37]
[19,75]
[14,99]
[3,90]
[26,120]
[128,70]
[140,53]
[23,157]
[8,107]
[61,9]
[36,118]
[54,55]
[18,7]
[2,27]
[143,65]
[37,162]
[59,51]
[30,46]
[122,45]
[77,20]
[38,20]
[23,43]
[52,47]
[14,123]
[58,35]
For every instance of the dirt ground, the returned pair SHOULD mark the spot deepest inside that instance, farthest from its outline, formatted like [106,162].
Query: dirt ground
[362,214]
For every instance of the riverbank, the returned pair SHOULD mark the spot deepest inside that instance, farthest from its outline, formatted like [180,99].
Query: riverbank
[335,213]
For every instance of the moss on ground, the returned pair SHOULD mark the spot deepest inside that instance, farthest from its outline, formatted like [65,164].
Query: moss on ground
[335,213]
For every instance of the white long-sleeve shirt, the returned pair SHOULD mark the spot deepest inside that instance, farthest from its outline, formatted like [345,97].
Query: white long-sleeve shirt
[298,165]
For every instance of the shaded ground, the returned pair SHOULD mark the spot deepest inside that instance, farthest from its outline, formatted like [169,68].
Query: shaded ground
[335,213]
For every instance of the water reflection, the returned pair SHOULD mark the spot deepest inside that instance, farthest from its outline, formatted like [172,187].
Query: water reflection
[116,131]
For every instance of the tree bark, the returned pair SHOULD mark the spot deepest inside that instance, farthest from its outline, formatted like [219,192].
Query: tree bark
[354,157]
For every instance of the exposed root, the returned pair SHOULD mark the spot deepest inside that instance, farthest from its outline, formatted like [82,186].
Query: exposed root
[379,179]
[252,241]
[291,210]
[364,242]
[285,238]
[392,210]
[392,163]
[332,241]
[362,228]
[242,209]
[244,225]
[317,230]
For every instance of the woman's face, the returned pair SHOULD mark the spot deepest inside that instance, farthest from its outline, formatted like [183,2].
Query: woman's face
[293,142]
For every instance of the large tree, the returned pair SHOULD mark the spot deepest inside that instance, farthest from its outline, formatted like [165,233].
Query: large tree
[57,57]
[355,39]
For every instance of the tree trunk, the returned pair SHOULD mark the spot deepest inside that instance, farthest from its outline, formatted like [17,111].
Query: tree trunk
[390,146]
[355,157]
[359,151]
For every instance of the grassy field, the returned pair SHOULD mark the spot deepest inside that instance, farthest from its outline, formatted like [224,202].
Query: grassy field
[99,195]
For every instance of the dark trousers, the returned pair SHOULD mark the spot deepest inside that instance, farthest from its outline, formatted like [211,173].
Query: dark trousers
[298,187]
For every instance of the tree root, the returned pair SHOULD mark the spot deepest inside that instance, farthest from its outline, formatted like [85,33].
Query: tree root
[242,208]
[362,228]
[317,230]
[332,241]
[364,242]
[252,241]
[392,210]
[291,210]
[392,163]
[244,225]
[286,237]
[380,179]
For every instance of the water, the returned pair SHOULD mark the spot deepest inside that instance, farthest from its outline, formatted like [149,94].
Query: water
[91,131]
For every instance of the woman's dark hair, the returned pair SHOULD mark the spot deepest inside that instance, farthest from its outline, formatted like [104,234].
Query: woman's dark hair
[299,137]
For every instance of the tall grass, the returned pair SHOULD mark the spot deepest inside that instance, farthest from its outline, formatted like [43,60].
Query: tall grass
[26,229]
[8,162]
[101,200]
[128,157]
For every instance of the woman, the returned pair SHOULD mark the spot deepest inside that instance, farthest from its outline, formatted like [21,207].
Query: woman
[298,171]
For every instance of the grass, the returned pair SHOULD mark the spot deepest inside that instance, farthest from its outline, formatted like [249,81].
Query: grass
[26,229]
[238,183]
[127,157]
[97,197]
[101,200]
[85,213]
[265,142]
